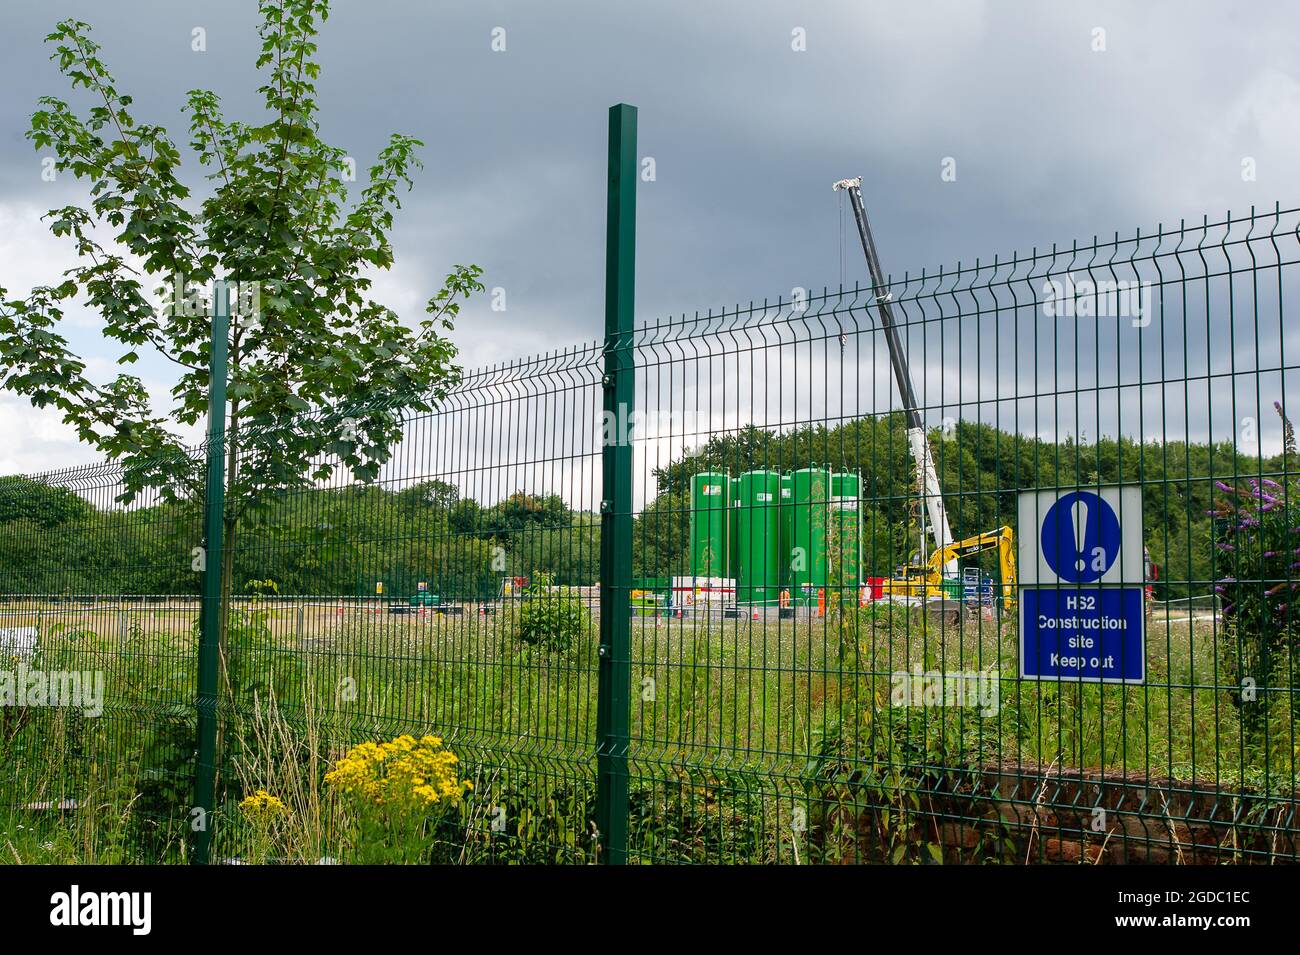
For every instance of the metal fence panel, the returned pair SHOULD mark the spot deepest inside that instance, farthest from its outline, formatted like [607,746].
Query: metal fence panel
[827,726]
[800,691]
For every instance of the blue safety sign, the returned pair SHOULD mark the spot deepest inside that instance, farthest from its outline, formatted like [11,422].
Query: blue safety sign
[1082,584]
[1092,634]
[1080,537]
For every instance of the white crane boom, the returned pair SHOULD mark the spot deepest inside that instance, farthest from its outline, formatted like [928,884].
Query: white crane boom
[927,476]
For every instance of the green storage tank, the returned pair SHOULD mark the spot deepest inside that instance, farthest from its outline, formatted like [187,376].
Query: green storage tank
[759,536]
[733,532]
[846,528]
[786,530]
[811,488]
[710,502]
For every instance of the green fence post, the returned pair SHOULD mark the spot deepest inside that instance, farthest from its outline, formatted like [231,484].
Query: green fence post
[613,709]
[205,769]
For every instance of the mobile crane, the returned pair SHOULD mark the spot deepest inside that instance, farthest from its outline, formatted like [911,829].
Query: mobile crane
[927,476]
[924,580]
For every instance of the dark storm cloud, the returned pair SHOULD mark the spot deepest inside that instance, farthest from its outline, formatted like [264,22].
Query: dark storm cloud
[1052,140]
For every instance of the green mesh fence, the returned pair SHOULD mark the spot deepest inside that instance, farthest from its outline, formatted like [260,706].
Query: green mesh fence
[805,682]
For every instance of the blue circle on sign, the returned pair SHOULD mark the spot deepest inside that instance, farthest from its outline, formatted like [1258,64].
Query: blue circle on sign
[1080,537]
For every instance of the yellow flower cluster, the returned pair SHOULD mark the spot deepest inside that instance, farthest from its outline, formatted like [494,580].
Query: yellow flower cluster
[405,773]
[262,809]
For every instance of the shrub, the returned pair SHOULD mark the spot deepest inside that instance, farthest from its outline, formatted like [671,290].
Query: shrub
[517,814]
[398,791]
[551,617]
[1259,541]
[264,815]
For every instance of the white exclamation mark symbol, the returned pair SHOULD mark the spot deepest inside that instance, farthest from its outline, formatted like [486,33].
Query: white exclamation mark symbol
[1079,513]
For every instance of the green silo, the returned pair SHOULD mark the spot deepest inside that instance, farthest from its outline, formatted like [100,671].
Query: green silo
[787,530]
[811,488]
[710,499]
[846,528]
[759,537]
[733,531]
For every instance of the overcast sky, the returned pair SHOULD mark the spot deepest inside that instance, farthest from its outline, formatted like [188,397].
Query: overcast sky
[1052,139]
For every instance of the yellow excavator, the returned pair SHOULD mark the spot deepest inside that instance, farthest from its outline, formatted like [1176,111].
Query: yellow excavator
[926,581]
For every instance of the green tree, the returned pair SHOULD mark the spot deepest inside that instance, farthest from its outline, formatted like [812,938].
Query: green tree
[523,511]
[320,372]
[661,544]
[47,505]
[433,495]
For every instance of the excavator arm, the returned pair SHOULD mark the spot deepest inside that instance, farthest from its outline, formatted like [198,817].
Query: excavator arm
[1004,539]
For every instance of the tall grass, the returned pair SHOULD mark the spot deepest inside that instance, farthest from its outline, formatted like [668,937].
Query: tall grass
[728,719]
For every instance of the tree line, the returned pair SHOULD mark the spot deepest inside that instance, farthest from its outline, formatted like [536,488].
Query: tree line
[341,541]
[346,540]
